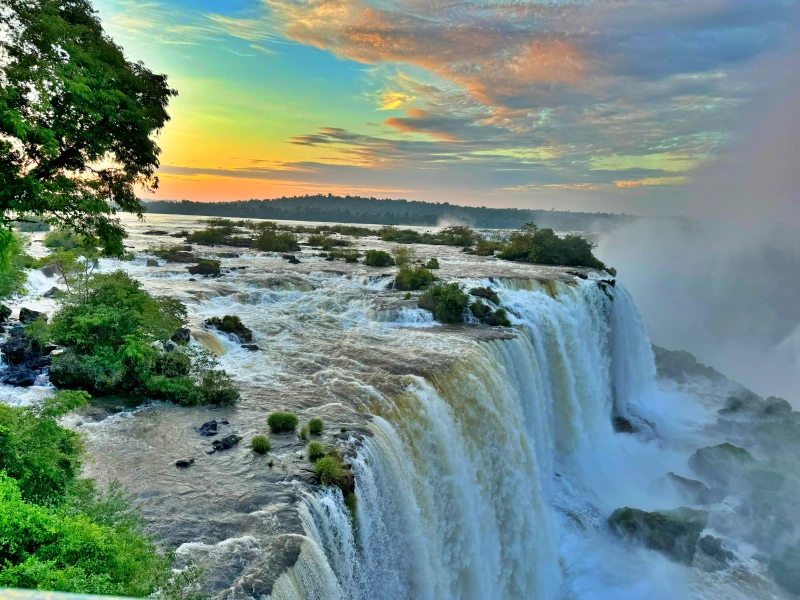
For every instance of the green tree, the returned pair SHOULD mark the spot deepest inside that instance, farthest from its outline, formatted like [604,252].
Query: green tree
[77,121]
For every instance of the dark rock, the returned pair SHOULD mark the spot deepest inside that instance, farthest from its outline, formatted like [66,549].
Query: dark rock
[485,293]
[51,293]
[231,324]
[152,263]
[5,312]
[777,406]
[26,315]
[226,443]
[208,429]
[19,376]
[184,463]
[744,402]
[723,465]
[622,425]
[679,365]
[712,547]
[690,491]
[35,360]
[155,232]
[14,350]
[49,271]
[288,257]
[228,255]
[181,335]
[606,285]
[578,274]
[205,267]
[783,566]
[672,532]
[251,347]
[181,256]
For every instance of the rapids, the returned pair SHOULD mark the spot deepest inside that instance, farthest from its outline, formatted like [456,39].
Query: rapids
[485,459]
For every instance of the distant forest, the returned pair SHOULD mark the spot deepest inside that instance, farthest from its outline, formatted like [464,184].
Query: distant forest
[356,209]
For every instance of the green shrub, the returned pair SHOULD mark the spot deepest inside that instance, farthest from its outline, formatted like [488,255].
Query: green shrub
[457,235]
[501,318]
[432,264]
[486,293]
[487,247]
[217,387]
[329,470]
[401,236]
[447,302]
[543,246]
[211,235]
[351,502]
[416,279]
[13,262]
[173,364]
[315,426]
[327,242]
[261,444]
[304,432]
[378,258]
[281,422]
[403,256]
[315,451]
[272,241]
[349,255]
[65,240]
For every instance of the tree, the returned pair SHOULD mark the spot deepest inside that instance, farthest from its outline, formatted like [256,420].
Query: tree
[77,121]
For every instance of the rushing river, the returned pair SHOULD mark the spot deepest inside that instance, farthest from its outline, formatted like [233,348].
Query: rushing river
[485,460]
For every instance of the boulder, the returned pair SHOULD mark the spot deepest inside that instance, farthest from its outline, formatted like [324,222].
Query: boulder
[51,293]
[26,315]
[783,566]
[181,335]
[226,443]
[19,376]
[5,312]
[485,293]
[209,428]
[14,350]
[251,347]
[183,463]
[722,465]
[622,424]
[672,532]
[205,267]
[155,232]
[228,255]
[777,406]
[231,324]
[152,263]
[689,491]
[712,547]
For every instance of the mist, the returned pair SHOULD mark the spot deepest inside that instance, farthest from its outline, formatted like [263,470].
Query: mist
[725,283]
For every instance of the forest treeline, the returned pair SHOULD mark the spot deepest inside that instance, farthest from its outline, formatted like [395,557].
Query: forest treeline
[358,209]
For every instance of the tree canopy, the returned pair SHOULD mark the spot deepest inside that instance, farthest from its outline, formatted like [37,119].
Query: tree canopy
[77,120]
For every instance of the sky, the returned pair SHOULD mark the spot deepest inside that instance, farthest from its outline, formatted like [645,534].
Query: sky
[597,105]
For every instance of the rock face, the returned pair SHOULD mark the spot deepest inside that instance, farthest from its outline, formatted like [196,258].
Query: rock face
[5,312]
[181,335]
[231,324]
[690,491]
[27,315]
[713,547]
[777,406]
[784,568]
[205,267]
[152,263]
[14,349]
[673,532]
[723,465]
[19,376]
[226,443]
[680,366]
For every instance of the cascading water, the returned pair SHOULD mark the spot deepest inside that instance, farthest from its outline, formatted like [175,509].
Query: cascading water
[455,487]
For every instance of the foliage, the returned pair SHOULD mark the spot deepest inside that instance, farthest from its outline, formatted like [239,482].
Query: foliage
[272,241]
[315,426]
[327,242]
[486,293]
[304,432]
[543,246]
[378,258]
[349,255]
[487,247]
[315,451]
[66,240]
[485,314]
[432,264]
[77,121]
[447,302]
[280,422]
[403,256]
[32,225]
[455,235]
[413,279]
[351,502]
[261,444]
[211,235]
[13,261]
[329,470]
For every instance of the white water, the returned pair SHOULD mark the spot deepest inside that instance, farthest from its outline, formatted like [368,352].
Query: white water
[459,487]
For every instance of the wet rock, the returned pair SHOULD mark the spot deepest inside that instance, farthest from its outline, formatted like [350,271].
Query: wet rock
[485,293]
[745,402]
[679,366]
[51,293]
[783,566]
[155,232]
[49,271]
[208,428]
[723,465]
[14,349]
[181,256]
[228,255]
[152,263]
[712,547]
[19,376]
[26,315]
[226,443]
[251,347]
[5,312]
[205,267]
[690,491]
[291,258]
[184,463]
[674,532]
[231,324]
[622,425]
[181,335]
[777,406]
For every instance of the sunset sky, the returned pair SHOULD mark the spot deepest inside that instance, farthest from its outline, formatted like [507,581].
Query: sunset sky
[574,104]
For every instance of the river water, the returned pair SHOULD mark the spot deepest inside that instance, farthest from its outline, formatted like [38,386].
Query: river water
[485,459]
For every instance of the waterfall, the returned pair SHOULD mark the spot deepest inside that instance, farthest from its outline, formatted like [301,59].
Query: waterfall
[455,487]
